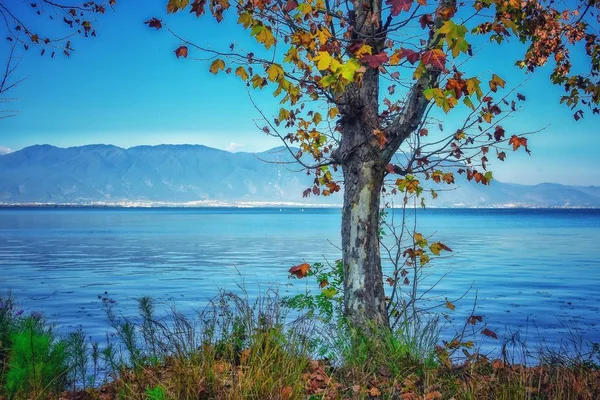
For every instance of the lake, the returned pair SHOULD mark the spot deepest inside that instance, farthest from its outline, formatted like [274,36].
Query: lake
[537,271]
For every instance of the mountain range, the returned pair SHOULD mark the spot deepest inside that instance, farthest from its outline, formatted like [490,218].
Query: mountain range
[200,175]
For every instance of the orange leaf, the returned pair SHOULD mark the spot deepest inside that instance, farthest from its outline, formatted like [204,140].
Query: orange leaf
[323,283]
[435,58]
[517,142]
[374,392]
[433,396]
[300,270]
[381,139]
[287,393]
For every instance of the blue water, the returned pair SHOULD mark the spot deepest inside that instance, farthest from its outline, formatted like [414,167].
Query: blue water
[533,270]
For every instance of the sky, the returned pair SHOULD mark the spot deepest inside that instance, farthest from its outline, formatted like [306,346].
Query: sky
[126,87]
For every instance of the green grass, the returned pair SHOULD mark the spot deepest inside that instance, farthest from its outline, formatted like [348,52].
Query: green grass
[241,349]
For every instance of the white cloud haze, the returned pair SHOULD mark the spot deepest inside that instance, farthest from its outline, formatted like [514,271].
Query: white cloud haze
[233,147]
[5,150]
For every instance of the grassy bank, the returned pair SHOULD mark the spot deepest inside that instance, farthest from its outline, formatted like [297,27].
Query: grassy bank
[238,349]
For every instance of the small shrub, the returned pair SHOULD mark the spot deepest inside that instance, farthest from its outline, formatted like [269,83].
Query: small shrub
[38,362]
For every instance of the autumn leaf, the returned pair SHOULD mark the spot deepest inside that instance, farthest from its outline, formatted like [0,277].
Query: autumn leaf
[217,65]
[410,55]
[300,270]
[154,23]
[176,5]
[286,393]
[426,20]
[323,283]
[181,51]
[454,35]
[381,139]
[241,72]
[446,12]
[473,319]
[374,61]
[397,6]
[499,133]
[198,7]
[495,82]
[323,60]
[437,247]
[263,34]
[423,132]
[435,58]
[489,333]
[450,306]
[275,73]
[374,392]
[517,142]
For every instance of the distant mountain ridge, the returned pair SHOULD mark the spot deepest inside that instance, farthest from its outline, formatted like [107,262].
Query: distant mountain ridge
[194,173]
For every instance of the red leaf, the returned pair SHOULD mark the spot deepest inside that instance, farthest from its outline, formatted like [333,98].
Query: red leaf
[426,20]
[290,5]
[154,23]
[300,270]
[411,56]
[423,132]
[435,58]
[499,133]
[198,7]
[181,51]
[397,6]
[489,333]
[376,60]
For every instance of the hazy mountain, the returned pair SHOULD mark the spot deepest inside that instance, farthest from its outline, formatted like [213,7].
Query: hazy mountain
[186,173]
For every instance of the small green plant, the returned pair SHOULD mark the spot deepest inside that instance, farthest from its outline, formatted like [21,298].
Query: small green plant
[38,361]
[326,303]
[156,393]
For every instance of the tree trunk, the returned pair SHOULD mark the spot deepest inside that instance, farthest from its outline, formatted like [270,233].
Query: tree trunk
[364,297]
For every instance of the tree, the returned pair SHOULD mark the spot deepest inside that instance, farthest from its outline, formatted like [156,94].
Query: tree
[357,81]
[25,28]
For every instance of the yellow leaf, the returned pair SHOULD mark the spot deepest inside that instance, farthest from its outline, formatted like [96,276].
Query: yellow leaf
[323,34]
[317,118]
[245,19]
[263,34]
[364,49]
[241,72]
[495,82]
[275,73]
[333,111]
[349,69]
[435,248]
[450,305]
[217,65]
[323,60]
[257,81]
[419,240]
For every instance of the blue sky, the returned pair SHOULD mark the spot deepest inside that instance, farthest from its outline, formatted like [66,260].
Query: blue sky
[125,87]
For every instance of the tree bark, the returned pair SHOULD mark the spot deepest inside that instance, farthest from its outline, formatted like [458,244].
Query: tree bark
[364,296]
